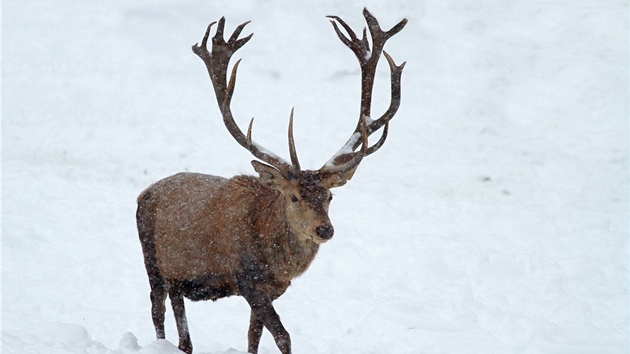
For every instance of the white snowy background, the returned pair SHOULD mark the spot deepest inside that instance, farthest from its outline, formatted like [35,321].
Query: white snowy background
[494,219]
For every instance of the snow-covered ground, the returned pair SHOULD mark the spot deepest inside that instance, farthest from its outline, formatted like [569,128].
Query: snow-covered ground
[494,220]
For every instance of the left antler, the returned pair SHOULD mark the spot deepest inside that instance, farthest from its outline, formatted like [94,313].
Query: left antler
[347,159]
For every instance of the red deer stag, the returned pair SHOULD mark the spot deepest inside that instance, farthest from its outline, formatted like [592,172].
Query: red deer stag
[205,237]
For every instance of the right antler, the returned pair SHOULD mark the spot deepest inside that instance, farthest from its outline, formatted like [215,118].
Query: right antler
[346,159]
[217,64]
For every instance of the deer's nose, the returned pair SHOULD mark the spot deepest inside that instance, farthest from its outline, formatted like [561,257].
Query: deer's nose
[325,232]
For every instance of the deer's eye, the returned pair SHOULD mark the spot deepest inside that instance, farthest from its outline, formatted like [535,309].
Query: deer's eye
[294,199]
[330,197]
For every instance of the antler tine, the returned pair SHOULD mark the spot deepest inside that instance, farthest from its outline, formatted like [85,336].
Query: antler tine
[202,51]
[269,157]
[341,36]
[380,141]
[368,61]
[292,151]
[217,61]
[396,73]
[237,32]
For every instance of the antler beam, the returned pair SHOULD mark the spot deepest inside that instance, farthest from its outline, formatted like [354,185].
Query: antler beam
[368,61]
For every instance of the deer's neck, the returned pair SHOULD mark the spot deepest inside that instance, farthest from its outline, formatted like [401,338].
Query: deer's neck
[286,255]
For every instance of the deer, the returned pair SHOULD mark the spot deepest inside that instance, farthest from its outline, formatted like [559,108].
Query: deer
[207,237]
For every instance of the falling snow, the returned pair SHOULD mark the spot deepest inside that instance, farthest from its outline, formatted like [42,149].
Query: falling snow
[493,220]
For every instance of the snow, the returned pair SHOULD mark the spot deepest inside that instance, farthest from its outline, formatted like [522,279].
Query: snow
[345,149]
[493,220]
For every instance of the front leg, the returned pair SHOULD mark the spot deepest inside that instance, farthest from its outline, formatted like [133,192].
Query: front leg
[254,333]
[251,288]
[263,309]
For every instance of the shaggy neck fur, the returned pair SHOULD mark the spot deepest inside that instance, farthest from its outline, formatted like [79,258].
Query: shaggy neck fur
[284,254]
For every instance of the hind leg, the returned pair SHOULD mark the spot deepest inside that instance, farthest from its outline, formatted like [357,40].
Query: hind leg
[146,233]
[177,301]
[157,283]
[158,308]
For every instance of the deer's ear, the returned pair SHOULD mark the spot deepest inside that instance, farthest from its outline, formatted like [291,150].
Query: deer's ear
[269,175]
[333,180]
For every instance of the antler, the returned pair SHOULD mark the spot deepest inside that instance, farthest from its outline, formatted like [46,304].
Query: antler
[217,64]
[346,159]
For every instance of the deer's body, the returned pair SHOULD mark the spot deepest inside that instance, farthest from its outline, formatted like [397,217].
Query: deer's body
[212,234]
[205,237]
